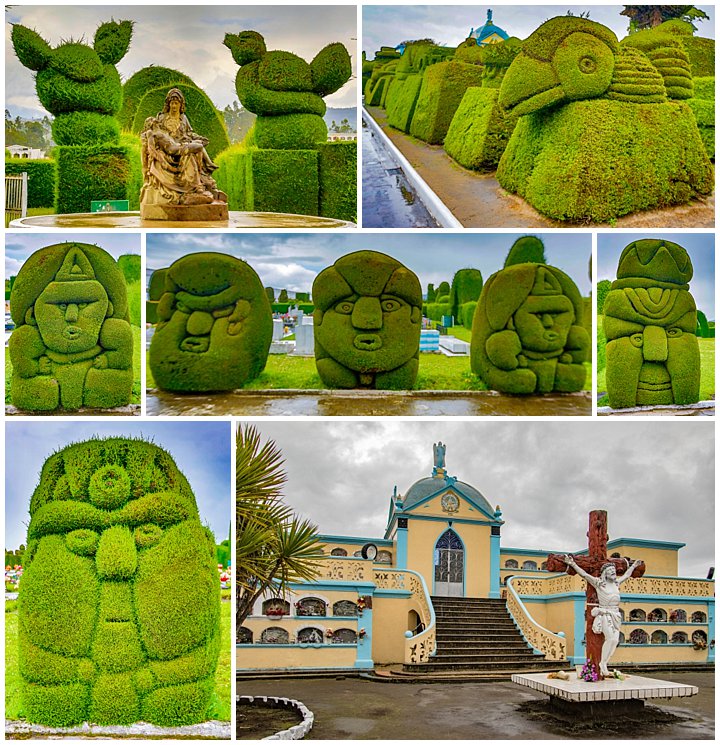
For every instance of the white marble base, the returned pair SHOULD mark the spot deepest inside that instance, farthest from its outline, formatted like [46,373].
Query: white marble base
[454,345]
[580,691]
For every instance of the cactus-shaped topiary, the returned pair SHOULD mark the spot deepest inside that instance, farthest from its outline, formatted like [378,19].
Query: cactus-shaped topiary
[650,322]
[527,334]
[285,91]
[78,83]
[72,345]
[214,325]
[119,605]
[368,308]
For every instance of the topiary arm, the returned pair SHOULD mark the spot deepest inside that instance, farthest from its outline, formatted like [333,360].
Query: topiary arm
[331,69]
[578,344]
[195,665]
[112,41]
[503,349]
[37,665]
[26,352]
[31,49]
[116,340]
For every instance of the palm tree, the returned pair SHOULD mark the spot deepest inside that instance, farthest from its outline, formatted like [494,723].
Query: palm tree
[274,547]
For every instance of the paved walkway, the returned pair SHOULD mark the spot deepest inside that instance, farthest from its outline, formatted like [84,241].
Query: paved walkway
[352,708]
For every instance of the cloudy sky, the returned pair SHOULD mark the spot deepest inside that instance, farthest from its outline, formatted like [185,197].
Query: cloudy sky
[655,479]
[293,261]
[186,38]
[201,449]
[448,25]
[700,246]
[18,246]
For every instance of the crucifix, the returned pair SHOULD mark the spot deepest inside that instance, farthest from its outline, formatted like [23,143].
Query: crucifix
[604,575]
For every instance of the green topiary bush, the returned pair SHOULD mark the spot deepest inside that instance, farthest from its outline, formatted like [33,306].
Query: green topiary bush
[214,325]
[527,334]
[72,345]
[528,249]
[401,106]
[466,287]
[41,179]
[703,109]
[443,87]
[367,323]
[232,174]
[650,322]
[467,313]
[144,80]
[337,171]
[117,626]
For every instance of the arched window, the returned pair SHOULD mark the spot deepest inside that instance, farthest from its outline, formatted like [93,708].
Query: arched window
[310,635]
[344,636]
[679,637]
[310,607]
[529,564]
[274,635]
[637,614]
[338,552]
[658,637]
[244,635]
[638,636]
[511,564]
[345,608]
[276,607]
[657,615]
[678,616]
[384,557]
[699,639]
[449,565]
[543,566]
[698,617]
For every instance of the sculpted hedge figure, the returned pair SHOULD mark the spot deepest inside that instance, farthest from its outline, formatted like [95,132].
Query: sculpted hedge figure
[72,345]
[650,320]
[119,604]
[214,325]
[368,309]
[527,335]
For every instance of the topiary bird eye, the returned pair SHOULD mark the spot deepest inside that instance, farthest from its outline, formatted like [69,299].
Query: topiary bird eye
[588,65]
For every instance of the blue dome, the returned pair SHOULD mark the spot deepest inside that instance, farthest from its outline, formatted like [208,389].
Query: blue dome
[433,485]
[486,31]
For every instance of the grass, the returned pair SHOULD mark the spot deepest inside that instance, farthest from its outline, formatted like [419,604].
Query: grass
[135,397]
[13,707]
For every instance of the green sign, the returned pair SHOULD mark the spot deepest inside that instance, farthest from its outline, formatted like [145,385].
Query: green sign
[110,205]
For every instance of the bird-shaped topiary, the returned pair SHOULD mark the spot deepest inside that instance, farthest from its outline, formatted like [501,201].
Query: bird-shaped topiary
[602,130]
[285,91]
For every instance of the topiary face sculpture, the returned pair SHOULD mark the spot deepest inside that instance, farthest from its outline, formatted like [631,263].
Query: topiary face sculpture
[78,83]
[285,91]
[214,325]
[650,320]
[368,308]
[119,604]
[527,335]
[72,345]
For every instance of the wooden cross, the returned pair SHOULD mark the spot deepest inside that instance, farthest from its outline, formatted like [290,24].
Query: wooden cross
[592,564]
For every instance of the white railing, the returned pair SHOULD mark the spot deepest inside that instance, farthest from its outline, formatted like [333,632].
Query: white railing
[422,646]
[548,643]
[15,197]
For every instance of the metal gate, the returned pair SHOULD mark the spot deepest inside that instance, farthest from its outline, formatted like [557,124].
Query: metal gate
[449,565]
[15,197]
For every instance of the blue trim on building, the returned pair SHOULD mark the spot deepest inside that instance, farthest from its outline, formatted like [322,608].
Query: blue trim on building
[579,655]
[494,566]
[362,588]
[364,660]
[678,599]
[391,593]
[401,548]
[711,629]
[444,489]
[357,540]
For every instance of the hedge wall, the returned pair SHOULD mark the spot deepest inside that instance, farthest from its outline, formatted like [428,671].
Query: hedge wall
[466,287]
[401,105]
[138,85]
[283,181]
[41,179]
[231,175]
[337,171]
[443,87]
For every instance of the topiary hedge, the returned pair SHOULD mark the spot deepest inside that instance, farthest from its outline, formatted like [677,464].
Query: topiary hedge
[337,171]
[138,85]
[367,322]
[467,313]
[528,249]
[42,175]
[283,181]
[214,325]
[401,105]
[231,175]
[443,87]
[466,287]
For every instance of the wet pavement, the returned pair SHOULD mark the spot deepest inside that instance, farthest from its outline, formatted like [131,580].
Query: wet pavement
[129,410]
[478,200]
[388,200]
[370,403]
[353,708]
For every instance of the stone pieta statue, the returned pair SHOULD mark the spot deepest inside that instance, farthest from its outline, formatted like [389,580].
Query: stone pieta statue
[177,171]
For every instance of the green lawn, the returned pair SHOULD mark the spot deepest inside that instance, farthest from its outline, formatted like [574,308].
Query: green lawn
[13,707]
[137,357]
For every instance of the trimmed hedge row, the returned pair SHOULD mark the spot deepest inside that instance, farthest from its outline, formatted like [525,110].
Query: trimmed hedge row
[401,101]
[337,173]
[42,175]
[144,80]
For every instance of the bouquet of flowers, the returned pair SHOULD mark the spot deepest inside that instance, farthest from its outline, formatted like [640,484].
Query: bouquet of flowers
[589,672]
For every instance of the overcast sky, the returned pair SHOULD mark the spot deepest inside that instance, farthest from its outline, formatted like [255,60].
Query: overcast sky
[655,479]
[293,261]
[186,38]
[201,449]
[19,246]
[700,247]
[448,25]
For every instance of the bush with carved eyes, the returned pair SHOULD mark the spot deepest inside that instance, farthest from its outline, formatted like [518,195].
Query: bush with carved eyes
[119,604]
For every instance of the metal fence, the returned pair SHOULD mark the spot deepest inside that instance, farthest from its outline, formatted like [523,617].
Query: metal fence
[15,197]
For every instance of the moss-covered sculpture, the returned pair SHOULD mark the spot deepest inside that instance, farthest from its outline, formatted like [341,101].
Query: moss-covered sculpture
[214,325]
[72,345]
[602,131]
[650,321]
[702,105]
[465,291]
[80,86]
[527,334]
[368,309]
[119,605]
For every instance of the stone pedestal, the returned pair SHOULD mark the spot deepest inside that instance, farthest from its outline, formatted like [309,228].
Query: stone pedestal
[305,338]
[215,211]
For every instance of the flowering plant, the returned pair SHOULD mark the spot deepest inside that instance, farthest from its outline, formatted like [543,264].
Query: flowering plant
[589,672]
[329,633]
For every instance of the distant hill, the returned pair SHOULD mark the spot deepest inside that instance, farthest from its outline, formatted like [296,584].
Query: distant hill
[339,114]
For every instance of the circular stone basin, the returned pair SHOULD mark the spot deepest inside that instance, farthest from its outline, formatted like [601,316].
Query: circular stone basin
[133,220]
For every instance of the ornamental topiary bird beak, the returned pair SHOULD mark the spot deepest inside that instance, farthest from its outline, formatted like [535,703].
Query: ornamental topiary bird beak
[529,85]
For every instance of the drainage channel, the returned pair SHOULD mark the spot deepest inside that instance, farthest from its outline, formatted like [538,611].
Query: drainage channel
[394,194]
